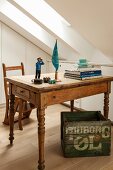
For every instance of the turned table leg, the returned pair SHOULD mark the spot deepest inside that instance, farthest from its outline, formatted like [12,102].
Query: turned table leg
[106,104]
[72,105]
[41,137]
[11,118]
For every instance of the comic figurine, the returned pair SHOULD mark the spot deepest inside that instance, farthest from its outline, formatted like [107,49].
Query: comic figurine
[38,67]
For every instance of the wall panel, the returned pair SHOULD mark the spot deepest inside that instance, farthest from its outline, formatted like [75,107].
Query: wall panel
[0,67]
[16,49]
[32,52]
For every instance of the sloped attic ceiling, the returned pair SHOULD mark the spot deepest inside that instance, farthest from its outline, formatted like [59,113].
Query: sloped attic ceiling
[93,19]
[41,13]
[21,23]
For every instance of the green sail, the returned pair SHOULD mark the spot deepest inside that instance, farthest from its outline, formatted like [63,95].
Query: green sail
[55,58]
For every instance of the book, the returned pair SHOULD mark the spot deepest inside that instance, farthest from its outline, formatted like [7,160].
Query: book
[81,73]
[81,78]
[88,68]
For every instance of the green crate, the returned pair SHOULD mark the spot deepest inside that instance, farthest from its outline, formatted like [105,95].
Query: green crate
[85,133]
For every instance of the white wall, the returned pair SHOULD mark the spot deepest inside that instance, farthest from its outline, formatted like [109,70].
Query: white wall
[15,49]
[0,66]
[32,52]
[97,102]
[62,65]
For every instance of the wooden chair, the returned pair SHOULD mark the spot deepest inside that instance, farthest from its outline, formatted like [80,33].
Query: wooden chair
[24,108]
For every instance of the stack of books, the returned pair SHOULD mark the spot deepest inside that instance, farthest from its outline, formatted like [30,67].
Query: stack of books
[83,73]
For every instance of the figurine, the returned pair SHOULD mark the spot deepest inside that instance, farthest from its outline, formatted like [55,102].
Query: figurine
[38,67]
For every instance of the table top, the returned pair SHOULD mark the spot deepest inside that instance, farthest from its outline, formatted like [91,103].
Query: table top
[25,81]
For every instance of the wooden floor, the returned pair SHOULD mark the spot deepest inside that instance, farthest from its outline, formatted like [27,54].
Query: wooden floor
[23,154]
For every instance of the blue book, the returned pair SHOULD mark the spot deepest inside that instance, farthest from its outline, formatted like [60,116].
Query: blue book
[83,73]
[71,76]
[90,75]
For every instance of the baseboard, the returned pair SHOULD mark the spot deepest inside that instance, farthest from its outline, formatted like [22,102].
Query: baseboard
[75,108]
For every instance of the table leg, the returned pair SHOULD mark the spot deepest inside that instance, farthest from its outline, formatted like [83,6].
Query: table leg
[41,137]
[11,118]
[106,104]
[72,105]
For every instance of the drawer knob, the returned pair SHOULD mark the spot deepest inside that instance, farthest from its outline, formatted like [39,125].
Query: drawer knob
[54,97]
[21,91]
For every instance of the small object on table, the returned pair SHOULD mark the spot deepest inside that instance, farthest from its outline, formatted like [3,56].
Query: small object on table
[37,81]
[46,79]
[82,63]
[52,81]
[39,63]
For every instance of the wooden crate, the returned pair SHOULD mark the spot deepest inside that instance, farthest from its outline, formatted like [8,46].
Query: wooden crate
[85,133]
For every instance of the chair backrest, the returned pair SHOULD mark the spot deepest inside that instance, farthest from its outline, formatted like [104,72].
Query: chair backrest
[6,69]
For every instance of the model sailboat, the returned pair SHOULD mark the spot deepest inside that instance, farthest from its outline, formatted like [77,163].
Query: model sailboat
[55,60]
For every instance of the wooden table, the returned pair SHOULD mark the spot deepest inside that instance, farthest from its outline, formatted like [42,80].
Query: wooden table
[48,94]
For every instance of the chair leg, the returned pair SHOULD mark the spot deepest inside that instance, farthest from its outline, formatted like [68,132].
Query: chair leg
[20,115]
[27,114]
[37,113]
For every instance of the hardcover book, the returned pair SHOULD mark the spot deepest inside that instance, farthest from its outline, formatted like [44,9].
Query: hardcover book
[81,73]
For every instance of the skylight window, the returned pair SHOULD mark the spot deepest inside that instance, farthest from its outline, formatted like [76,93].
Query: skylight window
[41,11]
[24,21]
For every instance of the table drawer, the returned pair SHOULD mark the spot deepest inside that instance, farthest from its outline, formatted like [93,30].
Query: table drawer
[32,97]
[22,92]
